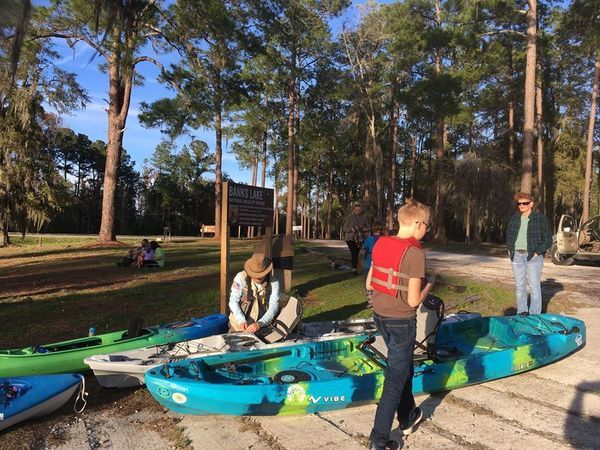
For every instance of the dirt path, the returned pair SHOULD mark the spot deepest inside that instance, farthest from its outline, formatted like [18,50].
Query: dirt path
[578,278]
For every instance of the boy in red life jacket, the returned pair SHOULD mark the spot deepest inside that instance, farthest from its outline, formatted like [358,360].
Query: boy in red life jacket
[395,277]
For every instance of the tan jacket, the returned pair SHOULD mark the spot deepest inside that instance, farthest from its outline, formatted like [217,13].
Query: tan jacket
[353,226]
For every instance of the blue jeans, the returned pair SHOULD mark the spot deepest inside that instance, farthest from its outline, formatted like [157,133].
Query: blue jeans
[528,274]
[397,398]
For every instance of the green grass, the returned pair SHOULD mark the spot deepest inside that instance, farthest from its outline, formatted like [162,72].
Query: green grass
[57,292]
[32,240]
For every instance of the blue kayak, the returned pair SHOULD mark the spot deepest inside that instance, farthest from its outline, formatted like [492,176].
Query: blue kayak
[336,374]
[23,398]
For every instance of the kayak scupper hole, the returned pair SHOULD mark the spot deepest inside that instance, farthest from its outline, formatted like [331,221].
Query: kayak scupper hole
[243,369]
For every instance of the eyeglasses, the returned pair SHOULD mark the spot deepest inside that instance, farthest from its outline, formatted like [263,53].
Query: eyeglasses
[427,225]
[523,203]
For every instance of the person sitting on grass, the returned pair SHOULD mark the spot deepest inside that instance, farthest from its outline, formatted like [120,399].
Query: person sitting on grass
[254,298]
[133,254]
[157,258]
[146,255]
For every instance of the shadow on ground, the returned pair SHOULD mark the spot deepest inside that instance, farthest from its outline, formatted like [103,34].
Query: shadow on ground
[582,430]
[550,287]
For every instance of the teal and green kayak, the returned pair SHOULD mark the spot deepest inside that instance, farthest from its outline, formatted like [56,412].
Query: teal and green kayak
[68,356]
[336,374]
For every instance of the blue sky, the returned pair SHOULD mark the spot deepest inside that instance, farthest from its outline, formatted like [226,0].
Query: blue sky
[139,142]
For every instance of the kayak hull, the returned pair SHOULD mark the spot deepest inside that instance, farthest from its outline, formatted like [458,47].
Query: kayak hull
[68,356]
[36,396]
[318,377]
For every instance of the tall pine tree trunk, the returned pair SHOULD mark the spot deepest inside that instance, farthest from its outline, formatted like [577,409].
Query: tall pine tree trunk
[389,216]
[511,112]
[528,128]
[251,230]
[413,165]
[218,164]
[317,193]
[296,131]
[330,193]
[263,173]
[511,132]
[590,143]
[440,153]
[540,141]
[368,168]
[289,220]
[119,94]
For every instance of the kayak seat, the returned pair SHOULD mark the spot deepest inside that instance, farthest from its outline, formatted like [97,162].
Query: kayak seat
[134,329]
[284,323]
[429,317]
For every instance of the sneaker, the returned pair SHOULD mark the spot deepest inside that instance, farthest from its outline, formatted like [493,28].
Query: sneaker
[392,445]
[389,445]
[414,419]
[524,314]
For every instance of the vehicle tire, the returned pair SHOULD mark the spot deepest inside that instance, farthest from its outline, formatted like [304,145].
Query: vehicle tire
[559,258]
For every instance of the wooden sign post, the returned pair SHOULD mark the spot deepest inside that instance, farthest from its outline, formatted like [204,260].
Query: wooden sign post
[242,205]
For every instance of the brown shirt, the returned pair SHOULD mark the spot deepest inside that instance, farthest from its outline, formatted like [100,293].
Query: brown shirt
[413,265]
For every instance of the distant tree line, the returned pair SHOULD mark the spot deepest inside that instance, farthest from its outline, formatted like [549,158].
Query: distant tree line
[456,102]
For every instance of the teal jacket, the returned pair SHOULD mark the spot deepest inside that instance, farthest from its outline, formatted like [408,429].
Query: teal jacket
[539,235]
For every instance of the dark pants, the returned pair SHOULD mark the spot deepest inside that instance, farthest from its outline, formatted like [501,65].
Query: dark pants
[354,251]
[397,398]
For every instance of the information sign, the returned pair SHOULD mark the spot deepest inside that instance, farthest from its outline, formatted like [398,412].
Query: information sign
[249,205]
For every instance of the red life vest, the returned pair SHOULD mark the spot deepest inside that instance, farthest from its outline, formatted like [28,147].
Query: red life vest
[387,259]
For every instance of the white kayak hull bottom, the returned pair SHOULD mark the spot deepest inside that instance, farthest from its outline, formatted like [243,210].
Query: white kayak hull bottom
[41,409]
[115,379]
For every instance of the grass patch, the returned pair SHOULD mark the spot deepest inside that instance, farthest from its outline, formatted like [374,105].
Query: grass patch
[57,294]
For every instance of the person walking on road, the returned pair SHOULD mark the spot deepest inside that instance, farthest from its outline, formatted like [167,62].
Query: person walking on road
[368,245]
[396,278]
[528,237]
[355,225]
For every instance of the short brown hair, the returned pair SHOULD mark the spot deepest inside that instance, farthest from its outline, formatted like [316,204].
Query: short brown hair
[413,210]
[377,227]
[524,195]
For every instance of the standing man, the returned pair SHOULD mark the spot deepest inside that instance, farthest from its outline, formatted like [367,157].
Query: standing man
[396,278]
[528,237]
[354,226]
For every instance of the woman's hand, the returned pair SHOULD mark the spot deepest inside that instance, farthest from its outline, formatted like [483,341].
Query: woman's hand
[253,328]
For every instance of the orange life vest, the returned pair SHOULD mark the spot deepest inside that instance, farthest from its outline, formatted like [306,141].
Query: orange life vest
[387,259]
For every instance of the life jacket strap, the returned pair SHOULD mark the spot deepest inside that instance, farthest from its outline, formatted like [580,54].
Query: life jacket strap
[391,273]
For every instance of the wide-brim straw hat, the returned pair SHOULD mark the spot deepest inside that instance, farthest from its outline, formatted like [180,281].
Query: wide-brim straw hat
[258,266]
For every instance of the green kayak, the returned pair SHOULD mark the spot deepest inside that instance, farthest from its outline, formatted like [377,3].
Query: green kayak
[68,356]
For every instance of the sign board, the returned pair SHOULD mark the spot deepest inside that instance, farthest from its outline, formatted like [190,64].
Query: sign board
[297,228]
[249,205]
[242,205]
